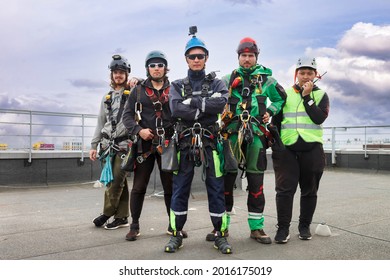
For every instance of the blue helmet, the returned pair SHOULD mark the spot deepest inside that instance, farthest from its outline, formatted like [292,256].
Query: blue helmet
[195,42]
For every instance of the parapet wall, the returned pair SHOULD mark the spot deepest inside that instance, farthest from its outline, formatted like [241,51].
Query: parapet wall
[49,168]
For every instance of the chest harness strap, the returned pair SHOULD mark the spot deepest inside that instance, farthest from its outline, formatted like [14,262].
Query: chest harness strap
[246,87]
[158,102]
[112,146]
[197,132]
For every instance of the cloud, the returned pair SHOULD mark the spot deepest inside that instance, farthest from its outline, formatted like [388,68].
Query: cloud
[367,39]
[62,56]
[119,51]
[358,79]
[47,128]
[92,84]
[248,2]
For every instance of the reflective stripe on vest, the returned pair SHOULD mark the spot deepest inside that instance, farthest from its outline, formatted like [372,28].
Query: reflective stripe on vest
[296,121]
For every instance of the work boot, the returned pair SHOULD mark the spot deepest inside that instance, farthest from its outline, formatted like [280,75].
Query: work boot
[221,243]
[175,243]
[211,236]
[133,233]
[260,236]
[101,220]
[304,232]
[282,235]
[170,232]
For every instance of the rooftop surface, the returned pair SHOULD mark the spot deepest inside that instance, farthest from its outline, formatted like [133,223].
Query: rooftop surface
[55,223]
[45,229]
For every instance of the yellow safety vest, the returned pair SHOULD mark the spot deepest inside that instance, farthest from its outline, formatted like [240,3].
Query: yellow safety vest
[296,122]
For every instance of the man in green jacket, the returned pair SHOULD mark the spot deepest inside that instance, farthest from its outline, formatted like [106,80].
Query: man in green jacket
[245,119]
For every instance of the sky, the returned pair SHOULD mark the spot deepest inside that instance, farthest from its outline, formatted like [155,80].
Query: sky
[54,54]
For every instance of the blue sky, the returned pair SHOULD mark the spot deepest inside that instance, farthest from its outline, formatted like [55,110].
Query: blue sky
[54,54]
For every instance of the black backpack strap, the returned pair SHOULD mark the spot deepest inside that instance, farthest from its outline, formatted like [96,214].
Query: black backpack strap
[125,96]
[108,103]
[206,83]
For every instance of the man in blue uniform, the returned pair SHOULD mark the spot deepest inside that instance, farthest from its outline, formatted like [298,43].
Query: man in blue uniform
[195,102]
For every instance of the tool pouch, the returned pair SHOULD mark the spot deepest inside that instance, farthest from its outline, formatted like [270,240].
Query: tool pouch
[169,160]
[128,159]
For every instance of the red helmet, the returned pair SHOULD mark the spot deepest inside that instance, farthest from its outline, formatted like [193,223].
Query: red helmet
[247,45]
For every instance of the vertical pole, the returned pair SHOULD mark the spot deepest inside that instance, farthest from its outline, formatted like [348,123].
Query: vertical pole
[365,143]
[30,139]
[333,146]
[82,137]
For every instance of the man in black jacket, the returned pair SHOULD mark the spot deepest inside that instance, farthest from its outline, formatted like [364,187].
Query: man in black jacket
[148,118]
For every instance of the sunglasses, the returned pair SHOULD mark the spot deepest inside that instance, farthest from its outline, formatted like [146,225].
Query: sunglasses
[154,65]
[198,56]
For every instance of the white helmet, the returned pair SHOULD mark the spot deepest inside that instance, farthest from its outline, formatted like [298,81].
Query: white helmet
[306,62]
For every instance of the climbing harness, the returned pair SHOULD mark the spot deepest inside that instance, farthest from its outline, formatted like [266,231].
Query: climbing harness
[158,102]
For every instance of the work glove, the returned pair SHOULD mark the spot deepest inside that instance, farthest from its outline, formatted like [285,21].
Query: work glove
[187,101]
[216,94]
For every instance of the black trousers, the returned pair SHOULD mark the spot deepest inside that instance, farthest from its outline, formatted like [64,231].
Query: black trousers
[293,168]
[142,174]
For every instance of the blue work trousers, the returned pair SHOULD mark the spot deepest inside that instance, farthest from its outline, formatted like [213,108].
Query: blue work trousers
[182,187]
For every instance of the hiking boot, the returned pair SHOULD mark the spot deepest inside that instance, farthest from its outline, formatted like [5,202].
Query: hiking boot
[260,236]
[170,232]
[175,242]
[101,220]
[221,243]
[304,232]
[211,236]
[282,235]
[133,233]
[117,223]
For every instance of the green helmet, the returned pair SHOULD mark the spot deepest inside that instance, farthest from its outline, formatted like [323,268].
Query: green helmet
[119,63]
[156,54]
[306,62]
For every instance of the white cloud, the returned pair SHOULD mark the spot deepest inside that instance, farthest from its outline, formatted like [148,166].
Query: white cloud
[358,78]
[55,53]
[367,39]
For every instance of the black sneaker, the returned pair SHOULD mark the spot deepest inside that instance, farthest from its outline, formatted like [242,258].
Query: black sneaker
[117,223]
[101,220]
[211,236]
[170,232]
[304,232]
[175,243]
[221,243]
[282,235]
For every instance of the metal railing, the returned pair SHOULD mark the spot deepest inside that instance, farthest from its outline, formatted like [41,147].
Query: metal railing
[356,138]
[24,130]
[20,129]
